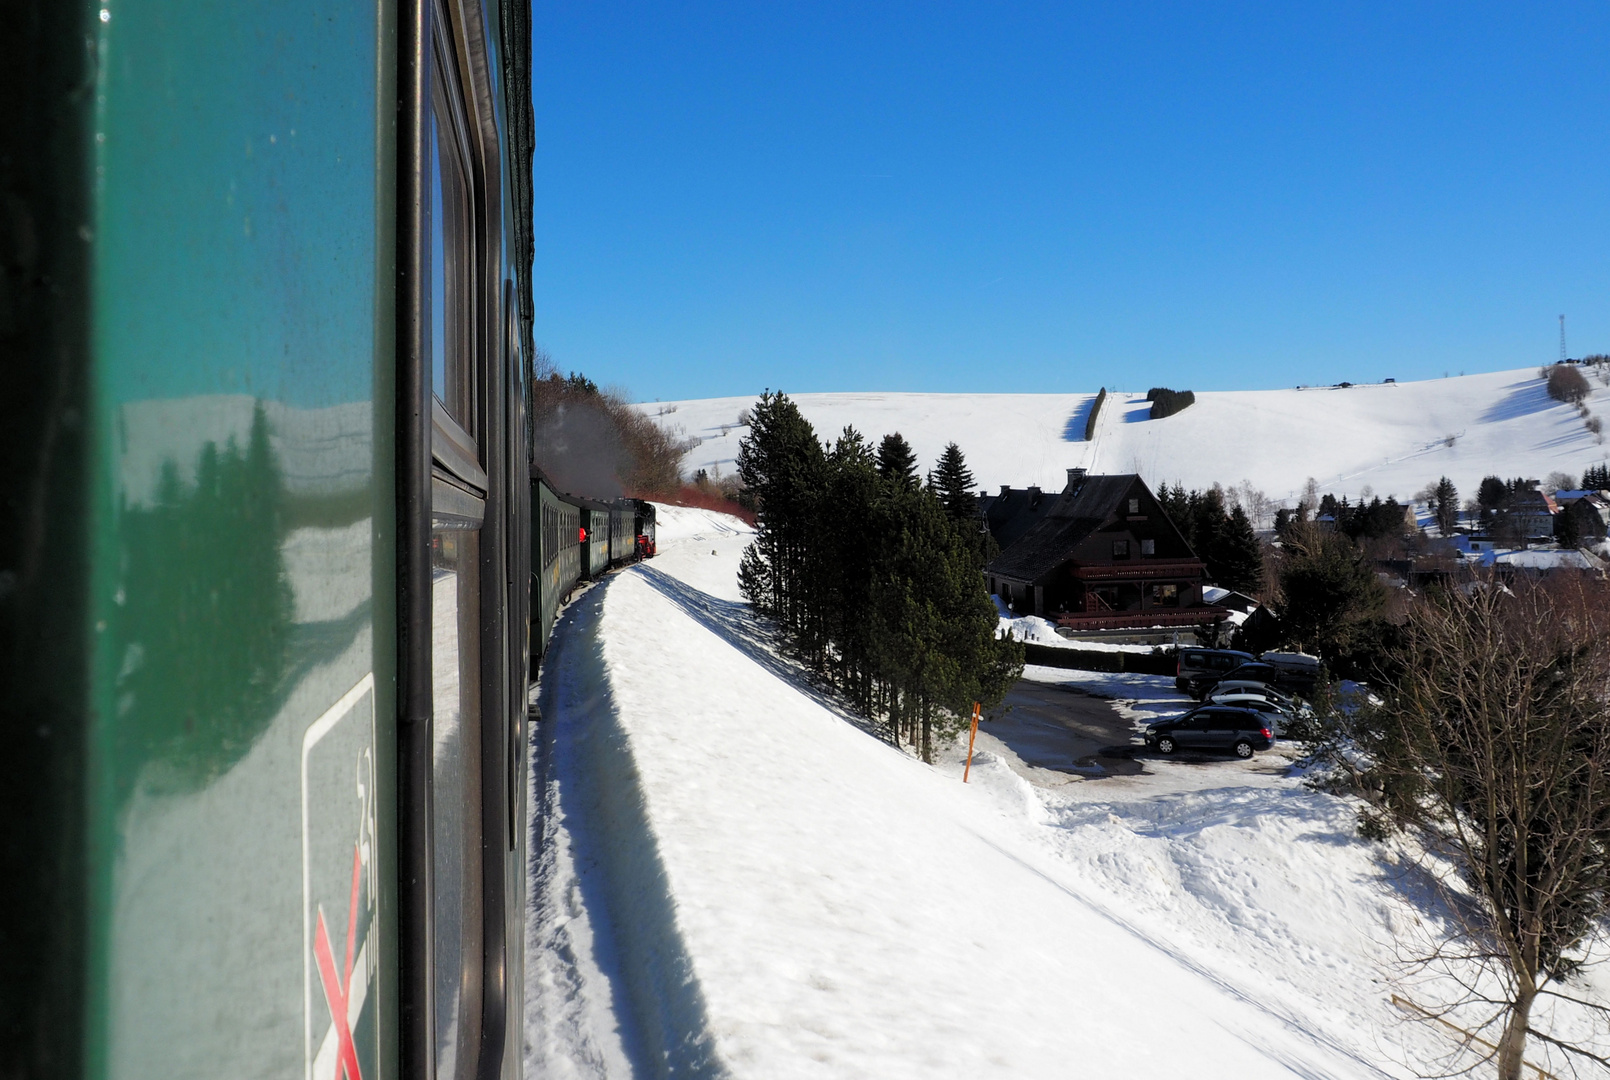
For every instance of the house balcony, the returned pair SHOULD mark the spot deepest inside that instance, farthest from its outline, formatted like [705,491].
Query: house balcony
[1142,619]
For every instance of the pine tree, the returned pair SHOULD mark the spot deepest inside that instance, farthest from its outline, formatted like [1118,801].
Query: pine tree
[1208,523]
[896,461]
[1445,506]
[783,467]
[1596,478]
[1238,555]
[953,482]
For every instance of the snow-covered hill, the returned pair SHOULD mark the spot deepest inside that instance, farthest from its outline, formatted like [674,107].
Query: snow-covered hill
[736,880]
[1393,438]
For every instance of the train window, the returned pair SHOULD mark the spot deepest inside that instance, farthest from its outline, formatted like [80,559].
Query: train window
[456,797]
[459,488]
[451,266]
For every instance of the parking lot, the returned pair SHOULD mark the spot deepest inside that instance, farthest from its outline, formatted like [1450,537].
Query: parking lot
[1057,725]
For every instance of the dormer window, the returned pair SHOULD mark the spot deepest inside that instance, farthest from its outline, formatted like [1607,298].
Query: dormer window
[1120,549]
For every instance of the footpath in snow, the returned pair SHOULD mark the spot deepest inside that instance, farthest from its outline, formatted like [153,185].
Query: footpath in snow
[732,878]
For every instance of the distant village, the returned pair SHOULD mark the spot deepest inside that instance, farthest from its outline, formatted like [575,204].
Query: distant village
[1105,558]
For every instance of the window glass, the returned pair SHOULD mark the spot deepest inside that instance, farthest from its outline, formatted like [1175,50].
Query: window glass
[1148,547]
[451,291]
[1120,549]
[1134,506]
[456,797]
[437,270]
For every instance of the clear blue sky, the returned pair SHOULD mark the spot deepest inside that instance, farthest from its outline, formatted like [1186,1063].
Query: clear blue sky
[971,197]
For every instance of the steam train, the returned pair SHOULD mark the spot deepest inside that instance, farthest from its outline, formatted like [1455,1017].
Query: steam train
[274,567]
[575,539]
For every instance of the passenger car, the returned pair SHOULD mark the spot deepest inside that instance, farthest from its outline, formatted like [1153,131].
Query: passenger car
[1212,727]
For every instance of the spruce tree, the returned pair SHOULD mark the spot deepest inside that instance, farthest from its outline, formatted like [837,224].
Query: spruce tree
[1445,506]
[1596,478]
[783,467]
[896,461]
[953,482]
[1238,557]
[1208,524]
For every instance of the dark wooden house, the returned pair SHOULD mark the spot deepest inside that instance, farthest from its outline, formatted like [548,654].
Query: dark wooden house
[1103,555]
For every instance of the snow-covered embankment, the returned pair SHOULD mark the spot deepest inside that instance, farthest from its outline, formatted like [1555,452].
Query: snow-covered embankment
[737,880]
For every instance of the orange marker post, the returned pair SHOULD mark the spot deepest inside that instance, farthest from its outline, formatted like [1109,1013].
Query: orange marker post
[971,735]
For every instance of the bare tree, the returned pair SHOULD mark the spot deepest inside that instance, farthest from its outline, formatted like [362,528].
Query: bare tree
[1493,745]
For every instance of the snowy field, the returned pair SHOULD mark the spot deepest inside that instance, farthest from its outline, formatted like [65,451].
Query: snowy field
[1392,438]
[733,879]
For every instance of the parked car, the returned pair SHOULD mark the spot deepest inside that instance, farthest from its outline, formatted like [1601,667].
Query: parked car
[1248,686]
[1304,665]
[1212,727]
[1198,667]
[1282,679]
[1276,714]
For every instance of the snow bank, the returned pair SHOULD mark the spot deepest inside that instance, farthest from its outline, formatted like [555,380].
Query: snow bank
[743,883]
[737,880]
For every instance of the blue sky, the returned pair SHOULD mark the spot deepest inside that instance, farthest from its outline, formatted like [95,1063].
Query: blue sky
[971,197]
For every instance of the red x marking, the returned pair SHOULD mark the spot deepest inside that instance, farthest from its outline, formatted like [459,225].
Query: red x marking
[337,989]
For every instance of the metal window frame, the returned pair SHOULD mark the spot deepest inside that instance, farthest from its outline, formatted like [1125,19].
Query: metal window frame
[451,476]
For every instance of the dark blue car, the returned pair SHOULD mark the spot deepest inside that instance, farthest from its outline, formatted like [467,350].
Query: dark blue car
[1212,727]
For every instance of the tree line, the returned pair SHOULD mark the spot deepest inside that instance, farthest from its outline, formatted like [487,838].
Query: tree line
[874,575]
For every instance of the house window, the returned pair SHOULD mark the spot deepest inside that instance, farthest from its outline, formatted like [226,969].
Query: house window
[1134,506]
[1120,549]
[1148,547]
[1165,596]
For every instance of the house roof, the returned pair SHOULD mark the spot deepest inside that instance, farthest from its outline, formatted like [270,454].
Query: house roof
[1079,510]
[1015,511]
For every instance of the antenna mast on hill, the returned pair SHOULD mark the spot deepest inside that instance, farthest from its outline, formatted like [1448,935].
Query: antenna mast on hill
[1562,339]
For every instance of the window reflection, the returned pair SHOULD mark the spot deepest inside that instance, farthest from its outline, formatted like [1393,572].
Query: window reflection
[456,797]
[438,264]
[451,271]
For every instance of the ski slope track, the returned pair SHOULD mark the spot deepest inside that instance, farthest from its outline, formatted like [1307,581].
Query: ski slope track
[733,878]
[1393,438]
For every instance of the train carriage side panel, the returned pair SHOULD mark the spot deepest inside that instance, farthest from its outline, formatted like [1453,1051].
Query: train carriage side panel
[622,545]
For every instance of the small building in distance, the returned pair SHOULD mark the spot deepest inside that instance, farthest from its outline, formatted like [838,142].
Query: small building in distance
[1102,555]
[1531,512]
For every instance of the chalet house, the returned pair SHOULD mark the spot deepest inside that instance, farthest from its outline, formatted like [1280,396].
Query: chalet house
[1103,556]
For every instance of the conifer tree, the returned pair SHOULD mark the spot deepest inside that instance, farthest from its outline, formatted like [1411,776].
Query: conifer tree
[1237,555]
[1445,506]
[896,461]
[953,481]
[1208,525]
[782,466]
[1596,478]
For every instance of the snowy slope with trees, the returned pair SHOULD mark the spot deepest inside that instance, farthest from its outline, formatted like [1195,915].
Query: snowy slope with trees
[1393,438]
[738,880]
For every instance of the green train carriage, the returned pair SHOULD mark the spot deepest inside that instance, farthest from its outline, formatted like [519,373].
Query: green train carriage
[556,556]
[265,313]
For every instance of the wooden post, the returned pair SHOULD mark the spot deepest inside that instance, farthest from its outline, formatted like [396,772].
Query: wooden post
[971,735]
